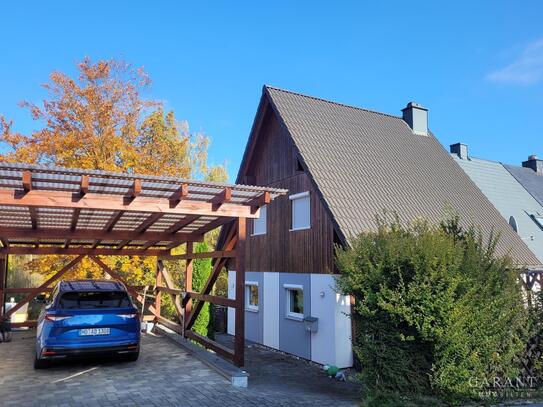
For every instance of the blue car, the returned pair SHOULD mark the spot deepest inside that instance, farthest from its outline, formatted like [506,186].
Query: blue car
[87,318]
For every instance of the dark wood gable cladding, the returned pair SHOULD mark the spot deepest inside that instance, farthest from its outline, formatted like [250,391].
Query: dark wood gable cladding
[274,162]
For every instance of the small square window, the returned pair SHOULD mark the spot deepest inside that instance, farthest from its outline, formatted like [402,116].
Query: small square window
[251,296]
[295,302]
[539,220]
[301,211]
[259,224]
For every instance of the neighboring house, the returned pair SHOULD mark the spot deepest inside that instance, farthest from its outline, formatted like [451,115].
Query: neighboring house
[343,166]
[516,204]
[530,175]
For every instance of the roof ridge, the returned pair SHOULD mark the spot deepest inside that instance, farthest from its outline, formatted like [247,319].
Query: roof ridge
[332,102]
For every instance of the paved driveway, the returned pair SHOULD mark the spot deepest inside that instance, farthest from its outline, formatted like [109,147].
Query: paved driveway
[164,375]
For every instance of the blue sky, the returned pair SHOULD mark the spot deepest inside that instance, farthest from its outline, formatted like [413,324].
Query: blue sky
[477,65]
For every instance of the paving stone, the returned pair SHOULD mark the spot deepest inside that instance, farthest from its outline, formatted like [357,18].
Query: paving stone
[164,375]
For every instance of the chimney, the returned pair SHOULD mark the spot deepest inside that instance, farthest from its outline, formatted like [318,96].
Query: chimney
[534,163]
[416,117]
[460,149]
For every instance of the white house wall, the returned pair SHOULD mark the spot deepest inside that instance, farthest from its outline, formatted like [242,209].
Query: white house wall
[331,344]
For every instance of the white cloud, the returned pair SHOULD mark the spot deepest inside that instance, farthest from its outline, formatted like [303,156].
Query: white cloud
[526,70]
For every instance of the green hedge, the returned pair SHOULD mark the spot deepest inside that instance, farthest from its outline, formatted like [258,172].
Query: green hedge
[436,311]
[200,274]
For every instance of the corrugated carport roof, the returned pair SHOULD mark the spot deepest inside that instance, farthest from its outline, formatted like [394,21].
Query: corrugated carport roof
[56,210]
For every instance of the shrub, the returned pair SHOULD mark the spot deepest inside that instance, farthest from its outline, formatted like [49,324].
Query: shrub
[200,274]
[434,307]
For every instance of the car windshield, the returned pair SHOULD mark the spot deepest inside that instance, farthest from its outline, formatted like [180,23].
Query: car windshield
[94,299]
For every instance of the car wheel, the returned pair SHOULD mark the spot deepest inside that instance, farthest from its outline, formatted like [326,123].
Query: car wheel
[39,363]
[132,357]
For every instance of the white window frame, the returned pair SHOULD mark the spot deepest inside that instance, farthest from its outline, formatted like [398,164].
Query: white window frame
[248,305]
[263,217]
[292,198]
[288,313]
[538,219]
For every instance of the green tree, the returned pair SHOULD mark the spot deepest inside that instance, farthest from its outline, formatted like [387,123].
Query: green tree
[99,120]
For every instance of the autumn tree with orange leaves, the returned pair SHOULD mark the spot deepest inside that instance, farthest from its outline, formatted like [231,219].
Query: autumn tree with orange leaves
[100,121]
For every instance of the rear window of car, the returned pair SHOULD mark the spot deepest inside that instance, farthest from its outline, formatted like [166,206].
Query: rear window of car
[94,299]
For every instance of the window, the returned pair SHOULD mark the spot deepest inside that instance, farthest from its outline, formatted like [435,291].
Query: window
[301,211]
[539,220]
[513,223]
[259,224]
[251,296]
[94,299]
[295,301]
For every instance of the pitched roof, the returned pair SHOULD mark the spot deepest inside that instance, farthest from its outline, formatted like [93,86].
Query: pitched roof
[364,162]
[508,196]
[532,181]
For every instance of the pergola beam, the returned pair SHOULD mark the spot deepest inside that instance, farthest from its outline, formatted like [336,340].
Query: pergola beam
[36,291]
[12,232]
[93,201]
[20,250]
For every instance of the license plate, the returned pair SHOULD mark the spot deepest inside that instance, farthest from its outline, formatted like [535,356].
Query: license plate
[94,331]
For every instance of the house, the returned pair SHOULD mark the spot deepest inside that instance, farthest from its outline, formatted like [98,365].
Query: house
[342,165]
[509,193]
[530,176]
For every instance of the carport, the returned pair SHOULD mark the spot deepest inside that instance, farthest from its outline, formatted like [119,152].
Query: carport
[59,211]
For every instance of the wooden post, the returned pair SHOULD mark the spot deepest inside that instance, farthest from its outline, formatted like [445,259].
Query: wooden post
[239,342]
[3,279]
[158,283]
[188,282]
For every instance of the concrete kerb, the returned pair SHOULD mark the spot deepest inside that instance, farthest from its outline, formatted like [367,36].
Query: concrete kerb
[236,376]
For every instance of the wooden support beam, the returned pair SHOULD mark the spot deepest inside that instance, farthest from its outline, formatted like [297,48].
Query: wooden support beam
[231,240]
[176,227]
[26,324]
[158,282]
[168,290]
[149,244]
[224,197]
[38,290]
[135,189]
[214,224]
[188,283]
[12,232]
[205,255]
[27,181]
[214,299]
[180,194]
[73,225]
[84,187]
[62,199]
[33,217]
[49,289]
[4,242]
[75,218]
[239,340]
[3,279]
[49,250]
[208,343]
[171,290]
[113,220]
[260,201]
[150,221]
[110,224]
[132,291]
[169,324]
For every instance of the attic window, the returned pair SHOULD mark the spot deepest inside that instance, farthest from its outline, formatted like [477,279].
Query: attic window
[299,167]
[513,223]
